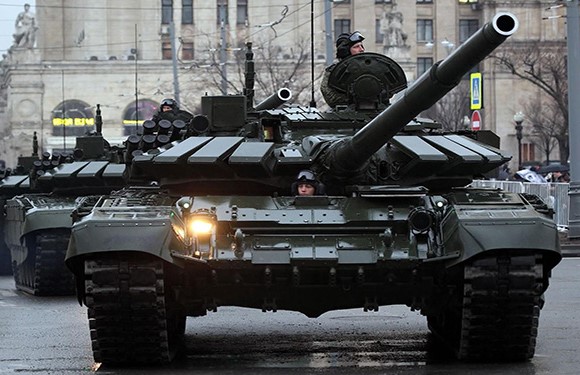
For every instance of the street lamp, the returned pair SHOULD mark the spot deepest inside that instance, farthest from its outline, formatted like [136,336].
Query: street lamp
[518,119]
[466,122]
[449,46]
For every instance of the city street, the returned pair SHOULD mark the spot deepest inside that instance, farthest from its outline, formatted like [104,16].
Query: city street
[50,335]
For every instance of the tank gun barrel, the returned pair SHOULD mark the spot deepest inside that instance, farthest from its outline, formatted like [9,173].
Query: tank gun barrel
[275,100]
[443,76]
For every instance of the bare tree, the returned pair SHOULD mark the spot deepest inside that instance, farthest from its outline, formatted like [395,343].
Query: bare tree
[275,68]
[545,120]
[452,108]
[544,66]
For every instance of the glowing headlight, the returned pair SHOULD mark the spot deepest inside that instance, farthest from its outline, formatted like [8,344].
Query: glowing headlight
[201,226]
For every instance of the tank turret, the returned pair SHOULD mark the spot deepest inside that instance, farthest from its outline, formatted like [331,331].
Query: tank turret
[367,141]
[349,155]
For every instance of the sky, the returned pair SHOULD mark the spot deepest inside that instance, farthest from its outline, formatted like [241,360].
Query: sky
[9,10]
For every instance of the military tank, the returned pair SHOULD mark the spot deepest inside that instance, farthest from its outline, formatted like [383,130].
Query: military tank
[37,220]
[208,220]
[14,181]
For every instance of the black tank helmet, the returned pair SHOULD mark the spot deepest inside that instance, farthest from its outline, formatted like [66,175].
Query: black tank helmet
[345,41]
[169,102]
[306,176]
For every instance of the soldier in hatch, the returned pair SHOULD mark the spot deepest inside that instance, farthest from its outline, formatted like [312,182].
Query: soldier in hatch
[169,110]
[346,45]
[307,184]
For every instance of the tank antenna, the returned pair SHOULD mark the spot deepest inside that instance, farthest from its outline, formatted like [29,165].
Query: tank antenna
[136,88]
[34,145]
[249,77]
[99,120]
[312,101]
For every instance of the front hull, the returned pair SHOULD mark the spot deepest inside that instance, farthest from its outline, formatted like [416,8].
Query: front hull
[314,256]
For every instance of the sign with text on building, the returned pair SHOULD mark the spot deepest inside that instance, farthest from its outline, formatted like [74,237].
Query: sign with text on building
[475,121]
[476,93]
[76,121]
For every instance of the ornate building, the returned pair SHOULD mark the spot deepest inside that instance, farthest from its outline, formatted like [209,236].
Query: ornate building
[120,55]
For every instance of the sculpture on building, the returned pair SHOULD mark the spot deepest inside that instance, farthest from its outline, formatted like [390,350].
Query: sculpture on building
[25,29]
[394,38]
[392,27]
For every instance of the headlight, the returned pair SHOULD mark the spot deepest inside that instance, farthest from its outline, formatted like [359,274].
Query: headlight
[201,226]
[420,220]
[195,228]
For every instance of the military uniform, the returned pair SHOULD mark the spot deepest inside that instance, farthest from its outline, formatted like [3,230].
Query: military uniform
[344,42]
[330,95]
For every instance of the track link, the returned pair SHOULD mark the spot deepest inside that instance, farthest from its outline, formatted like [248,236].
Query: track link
[133,319]
[496,317]
[44,273]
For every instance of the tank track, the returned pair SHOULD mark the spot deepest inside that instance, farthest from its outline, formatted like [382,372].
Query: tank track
[133,318]
[495,319]
[44,272]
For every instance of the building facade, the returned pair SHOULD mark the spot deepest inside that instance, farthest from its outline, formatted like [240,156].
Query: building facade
[121,55]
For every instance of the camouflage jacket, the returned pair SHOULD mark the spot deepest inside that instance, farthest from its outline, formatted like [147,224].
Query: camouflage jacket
[332,96]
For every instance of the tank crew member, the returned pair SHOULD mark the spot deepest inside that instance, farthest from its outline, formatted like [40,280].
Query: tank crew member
[346,45]
[307,184]
[169,110]
[349,45]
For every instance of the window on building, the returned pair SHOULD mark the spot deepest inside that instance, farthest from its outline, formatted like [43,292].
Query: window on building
[166,49]
[424,30]
[72,118]
[424,1]
[341,25]
[383,1]
[187,51]
[423,64]
[136,113]
[166,11]
[187,12]
[468,1]
[242,12]
[528,152]
[467,28]
[222,12]
[379,36]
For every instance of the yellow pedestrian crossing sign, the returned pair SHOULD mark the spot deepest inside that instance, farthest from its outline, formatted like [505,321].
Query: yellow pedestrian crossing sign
[476,94]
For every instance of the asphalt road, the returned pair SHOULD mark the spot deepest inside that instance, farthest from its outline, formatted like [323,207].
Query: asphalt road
[51,336]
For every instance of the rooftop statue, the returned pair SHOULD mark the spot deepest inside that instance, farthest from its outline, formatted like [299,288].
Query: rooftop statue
[25,29]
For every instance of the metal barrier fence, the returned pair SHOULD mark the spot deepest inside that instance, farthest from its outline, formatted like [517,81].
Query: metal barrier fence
[555,195]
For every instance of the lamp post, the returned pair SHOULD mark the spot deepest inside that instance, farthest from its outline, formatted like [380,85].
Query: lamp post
[466,121]
[518,119]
